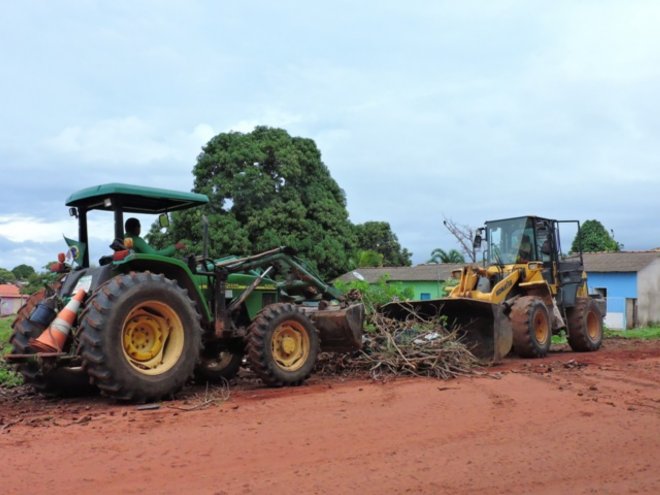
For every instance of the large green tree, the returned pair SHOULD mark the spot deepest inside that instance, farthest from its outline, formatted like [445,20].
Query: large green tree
[38,280]
[6,276]
[267,189]
[378,237]
[23,271]
[593,237]
[366,258]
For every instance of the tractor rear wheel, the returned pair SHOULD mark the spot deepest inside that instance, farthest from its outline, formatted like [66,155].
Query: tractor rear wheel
[141,337]
[585,326]
[530,322]
[61,380]
[282,345]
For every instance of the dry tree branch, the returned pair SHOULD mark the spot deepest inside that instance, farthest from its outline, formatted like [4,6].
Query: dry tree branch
[415,346]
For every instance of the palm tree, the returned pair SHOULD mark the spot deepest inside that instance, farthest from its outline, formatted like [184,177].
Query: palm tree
[441,256]
[365,258]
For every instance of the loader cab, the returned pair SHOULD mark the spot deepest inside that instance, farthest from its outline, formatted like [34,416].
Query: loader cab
[512,241]
[515,241]
[524,239]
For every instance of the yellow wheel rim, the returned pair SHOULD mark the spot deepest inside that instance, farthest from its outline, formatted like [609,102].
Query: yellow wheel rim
[541,328]
[290,345]
[593,325]
[152,338]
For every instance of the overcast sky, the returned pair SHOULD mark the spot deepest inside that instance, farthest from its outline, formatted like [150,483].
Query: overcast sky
[472,110]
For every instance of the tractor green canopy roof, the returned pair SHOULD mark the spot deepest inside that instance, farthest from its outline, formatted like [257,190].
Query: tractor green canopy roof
[134,199]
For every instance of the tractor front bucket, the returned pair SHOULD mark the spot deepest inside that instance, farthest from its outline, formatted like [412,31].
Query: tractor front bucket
[340,329]
[482,327]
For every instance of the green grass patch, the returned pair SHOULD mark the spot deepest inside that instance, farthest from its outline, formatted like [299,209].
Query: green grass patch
[5,333]
[648,333]
[560,338]
[8,378]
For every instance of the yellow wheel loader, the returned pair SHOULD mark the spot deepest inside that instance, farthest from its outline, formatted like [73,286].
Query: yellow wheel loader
[526,290]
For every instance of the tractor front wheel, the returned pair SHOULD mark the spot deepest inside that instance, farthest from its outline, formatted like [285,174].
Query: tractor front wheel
[282,345]
[141,337]
[530,322]
[585,326]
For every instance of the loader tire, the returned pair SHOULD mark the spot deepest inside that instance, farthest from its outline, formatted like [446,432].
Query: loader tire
[141,337]
[530,322]
[222,366]
[60,381]
[585,326]
[282,345]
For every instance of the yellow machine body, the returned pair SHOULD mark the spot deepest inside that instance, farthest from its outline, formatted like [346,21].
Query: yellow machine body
[479,305]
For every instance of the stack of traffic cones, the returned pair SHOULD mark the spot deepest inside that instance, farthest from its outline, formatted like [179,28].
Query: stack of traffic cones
[54,337]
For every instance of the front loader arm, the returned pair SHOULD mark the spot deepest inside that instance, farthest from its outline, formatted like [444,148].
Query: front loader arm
[302,274]
[468,281]
[467,285]
[500,292]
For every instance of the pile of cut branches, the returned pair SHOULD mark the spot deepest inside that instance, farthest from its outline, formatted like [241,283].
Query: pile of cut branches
[416,346]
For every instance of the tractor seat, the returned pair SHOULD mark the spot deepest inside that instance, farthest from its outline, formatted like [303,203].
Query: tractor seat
[117,245]
[105,260]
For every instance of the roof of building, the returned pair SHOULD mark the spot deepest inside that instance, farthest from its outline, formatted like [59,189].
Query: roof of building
[630,261]
[441,271]
[9,290]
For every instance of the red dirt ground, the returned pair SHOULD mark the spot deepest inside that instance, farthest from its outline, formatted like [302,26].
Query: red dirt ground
[570,424]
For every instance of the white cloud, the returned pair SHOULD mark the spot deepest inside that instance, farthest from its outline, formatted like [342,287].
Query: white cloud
[130,141]
[35,241]
[615,42]
[488,96]
[201,134]
[271,117]
[23,228]
[18,228]
[20,253]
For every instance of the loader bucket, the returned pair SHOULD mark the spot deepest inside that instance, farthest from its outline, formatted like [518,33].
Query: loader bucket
[340,329]
[482,327]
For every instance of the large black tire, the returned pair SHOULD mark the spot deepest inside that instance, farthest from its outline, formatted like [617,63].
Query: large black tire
[141,337]
[530,322]
[282,345]
[585,326]
[222,366]
[62,380]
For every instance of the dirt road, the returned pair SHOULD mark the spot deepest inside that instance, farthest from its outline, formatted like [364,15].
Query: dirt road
[569,423]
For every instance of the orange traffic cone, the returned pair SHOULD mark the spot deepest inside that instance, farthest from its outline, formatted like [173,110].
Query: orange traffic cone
[53,338]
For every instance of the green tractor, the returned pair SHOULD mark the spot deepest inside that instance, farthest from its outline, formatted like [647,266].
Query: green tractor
[141,325]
